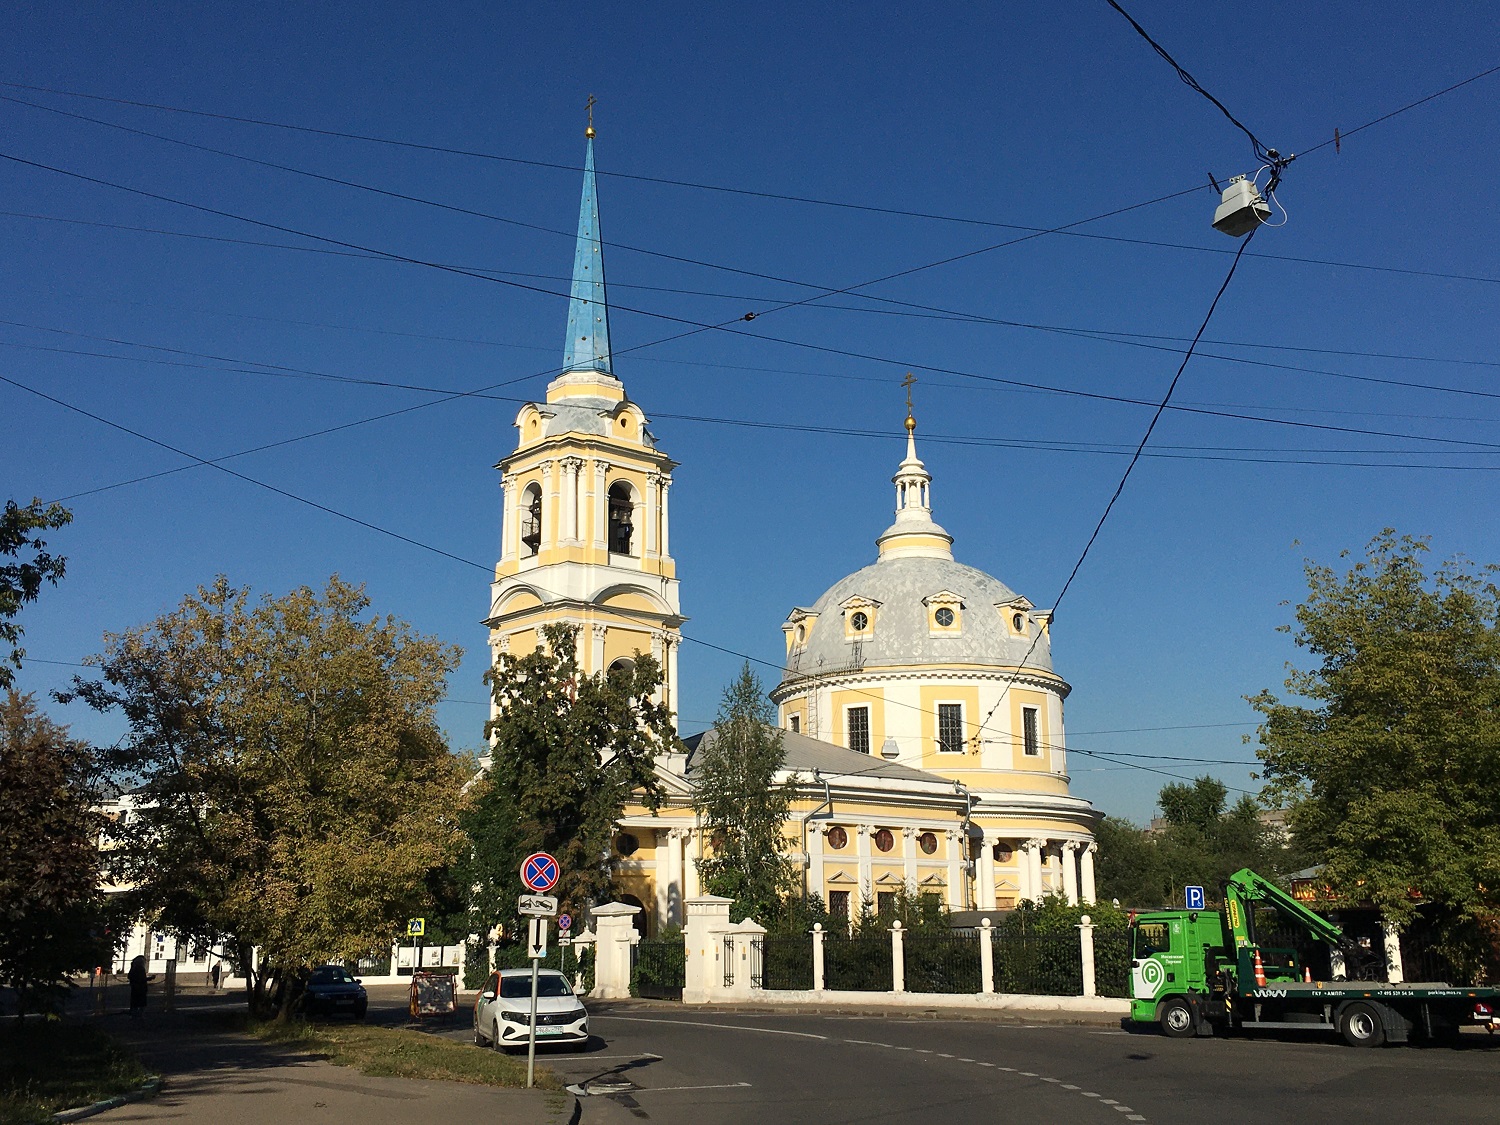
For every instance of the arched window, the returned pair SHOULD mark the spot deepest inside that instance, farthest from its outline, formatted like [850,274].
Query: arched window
[621,512]
[531,519]
[621,667]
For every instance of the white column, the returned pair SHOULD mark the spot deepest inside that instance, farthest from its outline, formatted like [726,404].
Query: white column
[666,483]
[953,840]
[601,504]
[1038,887]
[818,976]
[571,466]
[662,876]
[510,527]
[596,655]
[984,889]
[909,857]
[675,897]
[1086,870]
[986,955]
[551,507]
[1024,889]
[814,860]
[1070,871]
[651,539]
[862,853]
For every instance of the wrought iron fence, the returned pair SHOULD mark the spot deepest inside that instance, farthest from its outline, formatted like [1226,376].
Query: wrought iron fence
[728,961]
[786,961]
[660,969]
[857,964]
[1038,964]
[943,963]
[1112,962]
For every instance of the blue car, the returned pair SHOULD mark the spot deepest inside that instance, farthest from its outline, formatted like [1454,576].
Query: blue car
[332,990]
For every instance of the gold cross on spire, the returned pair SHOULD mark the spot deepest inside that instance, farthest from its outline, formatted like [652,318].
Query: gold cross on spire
[911,423]
[589,105]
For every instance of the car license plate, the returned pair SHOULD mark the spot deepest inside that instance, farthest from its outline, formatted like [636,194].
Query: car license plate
[549,1031]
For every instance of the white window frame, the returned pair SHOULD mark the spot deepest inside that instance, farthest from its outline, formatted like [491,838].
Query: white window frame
[1031,733]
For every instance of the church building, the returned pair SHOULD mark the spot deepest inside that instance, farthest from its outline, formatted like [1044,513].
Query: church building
[922,718]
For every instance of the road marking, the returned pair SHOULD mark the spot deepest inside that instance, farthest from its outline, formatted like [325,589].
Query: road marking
[556,1060]
[943,1056]
[1069,1086]
[720,1026]
[1027,1073]
[965,1060]
[868,1043]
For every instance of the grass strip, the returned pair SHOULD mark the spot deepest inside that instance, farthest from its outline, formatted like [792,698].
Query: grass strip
[49,1065]
[388,1052]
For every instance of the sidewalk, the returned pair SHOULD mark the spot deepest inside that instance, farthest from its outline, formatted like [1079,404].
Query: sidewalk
[913,1007]
[213,1077]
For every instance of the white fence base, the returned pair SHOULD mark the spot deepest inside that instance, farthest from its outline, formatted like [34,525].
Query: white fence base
[989,1002]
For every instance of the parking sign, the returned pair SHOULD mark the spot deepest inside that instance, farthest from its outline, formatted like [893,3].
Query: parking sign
[1193,897]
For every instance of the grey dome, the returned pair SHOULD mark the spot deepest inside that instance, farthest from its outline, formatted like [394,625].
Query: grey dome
[902,634]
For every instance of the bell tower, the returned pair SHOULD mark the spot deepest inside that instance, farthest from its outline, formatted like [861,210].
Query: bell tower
[584,522]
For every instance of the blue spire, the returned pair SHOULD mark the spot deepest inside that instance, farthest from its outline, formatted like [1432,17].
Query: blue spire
[588,311]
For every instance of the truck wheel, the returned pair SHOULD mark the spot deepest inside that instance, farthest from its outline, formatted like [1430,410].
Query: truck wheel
[1177,1020]
[1360,1026]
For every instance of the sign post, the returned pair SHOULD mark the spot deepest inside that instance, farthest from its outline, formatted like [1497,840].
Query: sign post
[415,928]
[539,874]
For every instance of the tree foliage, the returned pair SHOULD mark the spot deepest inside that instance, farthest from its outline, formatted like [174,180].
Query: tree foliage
[294,789]
[51,910]
[1392,765]
[21,582]
[1201,842]
[567,752]
[740,804]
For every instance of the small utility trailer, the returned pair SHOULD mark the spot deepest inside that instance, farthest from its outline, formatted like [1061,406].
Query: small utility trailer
[1197,972]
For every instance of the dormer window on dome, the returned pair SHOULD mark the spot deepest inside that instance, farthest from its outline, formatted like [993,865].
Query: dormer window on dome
[859,618]
[944,614]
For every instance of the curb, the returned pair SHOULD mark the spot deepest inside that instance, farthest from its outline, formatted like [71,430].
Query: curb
[148,1089]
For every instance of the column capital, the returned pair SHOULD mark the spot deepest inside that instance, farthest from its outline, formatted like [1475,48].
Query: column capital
[908,832]
[1072,846]
[659,478]
[508,480]
[1092,847]
[677,833]
[600,631]
[1037,843]
[547,466]
[572,464]
[862,829]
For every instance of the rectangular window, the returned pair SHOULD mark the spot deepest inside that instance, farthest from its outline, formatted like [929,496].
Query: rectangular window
[885,903]
[951,728]
[859,728]
[838,904]
[796,723]
[1028,730]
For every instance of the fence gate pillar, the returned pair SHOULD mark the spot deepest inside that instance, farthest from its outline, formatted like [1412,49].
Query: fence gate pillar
[818,935]
[703,941]
[898,958]
[614,936]
[986,956]
[1086,951]
[746,944]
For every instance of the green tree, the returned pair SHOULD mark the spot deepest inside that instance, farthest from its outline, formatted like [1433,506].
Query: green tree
[51,908]
[1201,842]
[567,752]
[1392,764]
[294,790]
[20,582]
[741,805]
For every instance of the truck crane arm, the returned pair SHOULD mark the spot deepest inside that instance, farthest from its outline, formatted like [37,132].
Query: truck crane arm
[1245,887]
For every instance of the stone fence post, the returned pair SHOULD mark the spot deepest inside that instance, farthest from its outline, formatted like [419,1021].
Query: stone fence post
[615,937]
[1086,950]
[818,935]
[579,942]
[986,956]
[703,942]
[739,943]
[898,958]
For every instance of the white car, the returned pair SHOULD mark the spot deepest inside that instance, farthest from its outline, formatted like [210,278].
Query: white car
[502,1013]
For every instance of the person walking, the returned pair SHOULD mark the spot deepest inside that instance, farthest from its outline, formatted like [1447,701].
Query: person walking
[214,972]
[137,978]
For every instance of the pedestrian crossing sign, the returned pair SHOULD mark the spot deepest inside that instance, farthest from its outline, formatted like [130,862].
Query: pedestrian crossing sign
[416,927]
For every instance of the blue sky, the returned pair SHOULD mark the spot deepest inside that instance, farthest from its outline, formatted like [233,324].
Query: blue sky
[994,116]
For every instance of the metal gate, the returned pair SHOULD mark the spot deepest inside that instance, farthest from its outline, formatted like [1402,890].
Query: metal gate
[660,969]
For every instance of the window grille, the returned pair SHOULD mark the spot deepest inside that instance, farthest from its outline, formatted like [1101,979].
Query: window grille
[859,729]
[1028,730]
[951,728]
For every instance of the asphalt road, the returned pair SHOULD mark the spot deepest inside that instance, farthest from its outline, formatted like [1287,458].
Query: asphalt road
[690,1065]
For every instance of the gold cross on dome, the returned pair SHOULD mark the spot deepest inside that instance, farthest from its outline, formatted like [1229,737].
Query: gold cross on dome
[907,383]
[589,105]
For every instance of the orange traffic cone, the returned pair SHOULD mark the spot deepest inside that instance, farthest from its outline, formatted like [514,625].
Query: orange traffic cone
[1260,971]
[1307,973]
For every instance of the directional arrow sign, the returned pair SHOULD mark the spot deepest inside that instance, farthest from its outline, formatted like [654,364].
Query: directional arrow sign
[540,906]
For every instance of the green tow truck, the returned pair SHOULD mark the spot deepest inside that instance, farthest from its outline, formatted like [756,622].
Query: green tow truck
[1197,972]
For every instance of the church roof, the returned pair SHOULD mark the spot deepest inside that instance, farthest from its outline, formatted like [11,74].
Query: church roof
[836,763]
[902,634]
[587,346]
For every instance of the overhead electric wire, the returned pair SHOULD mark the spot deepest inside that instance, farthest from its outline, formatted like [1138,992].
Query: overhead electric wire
[1344,135]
